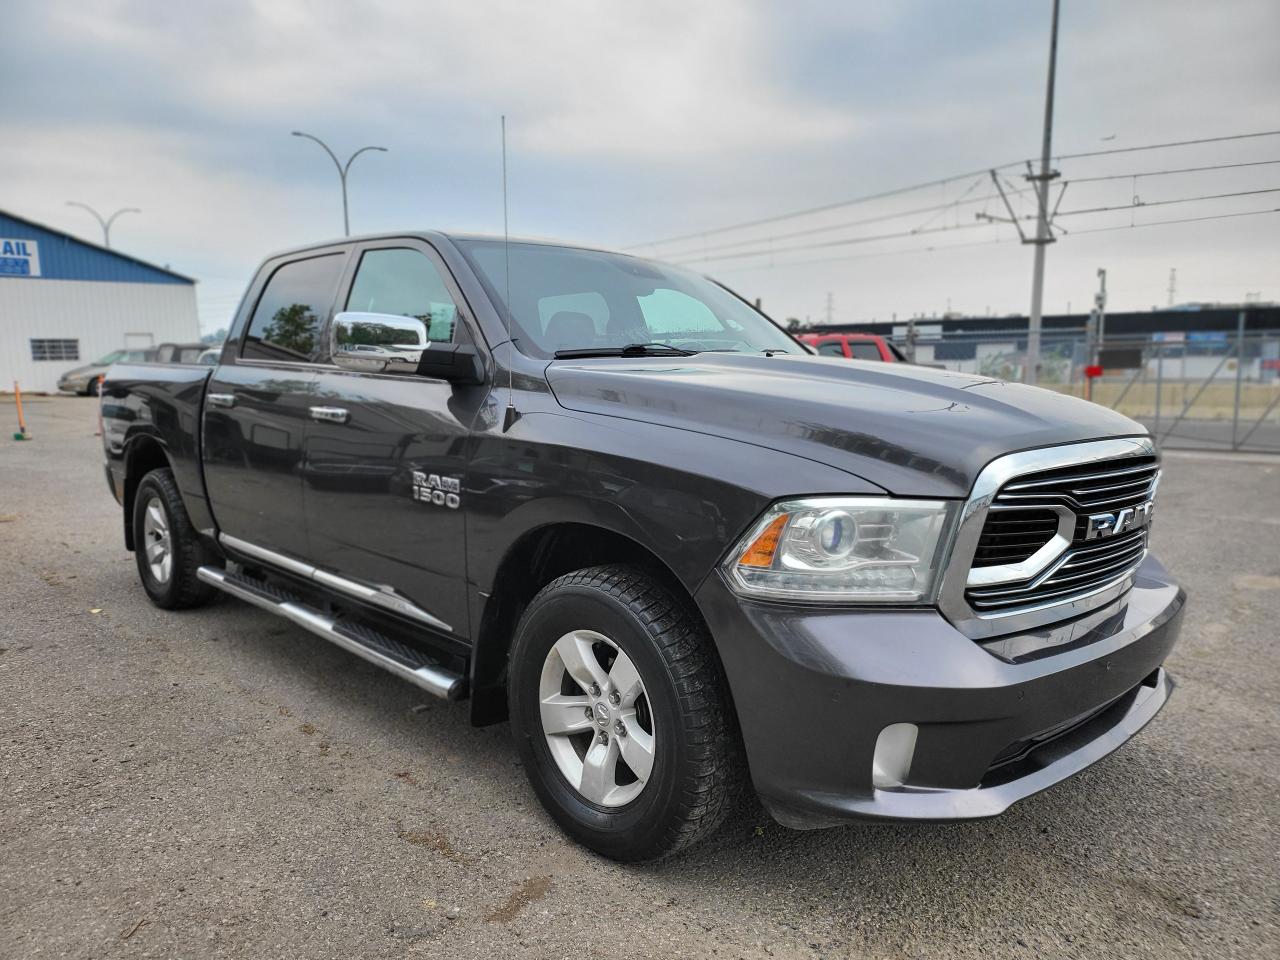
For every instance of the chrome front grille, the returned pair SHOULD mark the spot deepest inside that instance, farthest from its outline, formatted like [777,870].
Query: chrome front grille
[1021,521]
[1096,488]
[1080,570]
[1049,534]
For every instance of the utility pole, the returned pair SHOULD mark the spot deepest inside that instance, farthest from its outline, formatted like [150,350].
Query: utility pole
[1173,284]
[105,224]
[1100,311]
[343,169]
[1043,235]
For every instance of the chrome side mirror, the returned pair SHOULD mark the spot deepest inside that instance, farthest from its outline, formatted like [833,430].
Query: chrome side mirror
[378,342]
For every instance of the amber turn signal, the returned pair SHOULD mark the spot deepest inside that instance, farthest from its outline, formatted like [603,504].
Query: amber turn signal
[762,549]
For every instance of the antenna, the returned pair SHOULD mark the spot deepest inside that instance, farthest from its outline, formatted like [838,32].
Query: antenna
[511,414]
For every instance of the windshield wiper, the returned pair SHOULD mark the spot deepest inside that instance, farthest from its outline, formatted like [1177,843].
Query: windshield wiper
[630,350]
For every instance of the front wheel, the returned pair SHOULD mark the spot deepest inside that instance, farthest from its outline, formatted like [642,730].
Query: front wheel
[620,713]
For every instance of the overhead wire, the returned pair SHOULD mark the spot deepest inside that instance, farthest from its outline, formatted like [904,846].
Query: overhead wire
[823,208]
[899,191]
[827,228]
[984,243]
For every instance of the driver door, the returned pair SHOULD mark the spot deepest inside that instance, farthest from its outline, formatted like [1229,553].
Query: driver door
[387,453]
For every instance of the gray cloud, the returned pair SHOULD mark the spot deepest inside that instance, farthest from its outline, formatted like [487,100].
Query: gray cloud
[629,122]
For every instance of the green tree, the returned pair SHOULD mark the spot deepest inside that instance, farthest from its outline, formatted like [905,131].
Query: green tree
[293,328]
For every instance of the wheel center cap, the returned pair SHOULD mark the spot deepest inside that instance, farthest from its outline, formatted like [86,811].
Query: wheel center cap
[602,714]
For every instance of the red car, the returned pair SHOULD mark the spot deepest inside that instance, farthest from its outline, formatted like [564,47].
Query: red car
[853,346]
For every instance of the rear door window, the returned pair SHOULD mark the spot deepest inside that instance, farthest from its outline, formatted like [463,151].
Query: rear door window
[864,350]
[292,309]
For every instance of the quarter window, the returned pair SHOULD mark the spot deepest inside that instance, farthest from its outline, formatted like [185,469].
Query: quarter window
[832,348]
[286,323]
[405,283]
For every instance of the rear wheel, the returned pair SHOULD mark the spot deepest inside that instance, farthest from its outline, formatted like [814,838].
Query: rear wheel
[620,714]
[166,547]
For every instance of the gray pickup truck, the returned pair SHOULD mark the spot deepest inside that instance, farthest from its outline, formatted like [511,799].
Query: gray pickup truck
[609,501]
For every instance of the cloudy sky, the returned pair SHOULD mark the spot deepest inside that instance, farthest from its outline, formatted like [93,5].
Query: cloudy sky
[632,122]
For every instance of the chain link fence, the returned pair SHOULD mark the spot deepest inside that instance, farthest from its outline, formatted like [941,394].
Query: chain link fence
[1195,391]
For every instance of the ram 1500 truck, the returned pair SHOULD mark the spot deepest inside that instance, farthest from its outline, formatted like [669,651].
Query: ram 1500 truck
[609,501]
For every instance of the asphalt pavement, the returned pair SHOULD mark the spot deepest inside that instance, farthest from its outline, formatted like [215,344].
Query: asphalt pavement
[219,783]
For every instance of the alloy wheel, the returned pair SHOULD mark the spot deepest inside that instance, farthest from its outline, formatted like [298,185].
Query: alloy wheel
[596,718]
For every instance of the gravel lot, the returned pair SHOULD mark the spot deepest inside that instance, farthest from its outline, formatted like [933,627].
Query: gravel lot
[220,783]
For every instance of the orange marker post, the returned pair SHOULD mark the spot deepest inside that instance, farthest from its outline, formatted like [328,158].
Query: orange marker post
[101,378]
[22,422]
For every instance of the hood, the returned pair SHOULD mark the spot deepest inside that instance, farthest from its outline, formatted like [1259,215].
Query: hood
[911,430]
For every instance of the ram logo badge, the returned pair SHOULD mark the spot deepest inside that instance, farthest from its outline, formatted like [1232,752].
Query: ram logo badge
[1122,521]
[437,490]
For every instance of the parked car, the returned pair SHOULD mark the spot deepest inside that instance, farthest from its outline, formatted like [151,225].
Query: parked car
[180,352]
[854,346]
[610,502]
[84,380]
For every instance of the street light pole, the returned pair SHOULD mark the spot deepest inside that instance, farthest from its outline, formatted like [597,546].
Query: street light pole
[342,173]
[1044,236]
[105,224]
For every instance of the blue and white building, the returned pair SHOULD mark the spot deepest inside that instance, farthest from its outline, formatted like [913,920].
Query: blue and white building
[65,303]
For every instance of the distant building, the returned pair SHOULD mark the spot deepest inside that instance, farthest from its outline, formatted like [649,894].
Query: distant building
[1195,335]
[65,302]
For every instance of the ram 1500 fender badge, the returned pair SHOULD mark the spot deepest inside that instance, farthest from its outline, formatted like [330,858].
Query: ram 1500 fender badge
[437,490]
[1112,524]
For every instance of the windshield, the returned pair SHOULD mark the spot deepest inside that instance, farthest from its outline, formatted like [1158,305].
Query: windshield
[564,298]
[109,359]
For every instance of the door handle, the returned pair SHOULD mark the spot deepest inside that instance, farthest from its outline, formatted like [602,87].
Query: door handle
[221,399]
[329,414]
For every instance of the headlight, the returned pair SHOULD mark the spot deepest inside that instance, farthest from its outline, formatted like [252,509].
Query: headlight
[844,549]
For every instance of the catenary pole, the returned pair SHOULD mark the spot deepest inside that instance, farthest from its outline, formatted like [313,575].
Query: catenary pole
[1043,235]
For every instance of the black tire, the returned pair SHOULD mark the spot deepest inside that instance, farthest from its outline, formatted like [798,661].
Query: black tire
[187,551]
[697,764]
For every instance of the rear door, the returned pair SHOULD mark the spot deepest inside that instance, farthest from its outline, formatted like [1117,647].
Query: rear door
[258,404]
[387,455]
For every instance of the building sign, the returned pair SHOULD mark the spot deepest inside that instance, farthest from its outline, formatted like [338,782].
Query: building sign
[19,258]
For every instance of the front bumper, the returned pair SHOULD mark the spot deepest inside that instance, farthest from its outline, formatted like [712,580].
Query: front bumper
[994,722]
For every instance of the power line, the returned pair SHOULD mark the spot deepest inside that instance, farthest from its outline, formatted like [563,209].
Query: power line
[1162,146]
[962,200]
[848,241]
[1165,203]
[987,243]
[869,256]
[916,211]
[1162,173]
[1161,223]
[867,198]
[885,194]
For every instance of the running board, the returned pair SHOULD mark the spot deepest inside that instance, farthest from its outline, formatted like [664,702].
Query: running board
[378,648]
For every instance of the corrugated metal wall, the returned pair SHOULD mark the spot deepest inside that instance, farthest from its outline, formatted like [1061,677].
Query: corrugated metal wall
[97,314]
